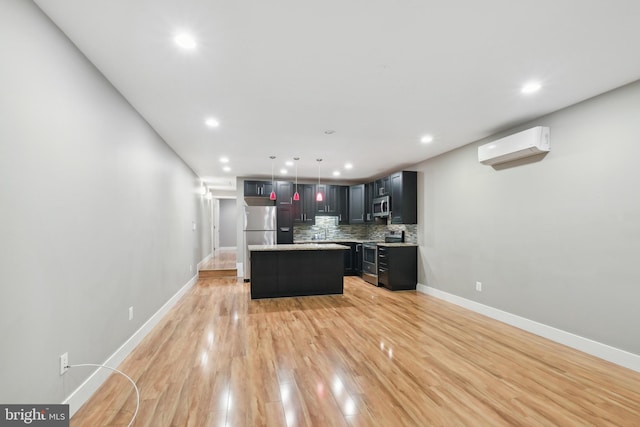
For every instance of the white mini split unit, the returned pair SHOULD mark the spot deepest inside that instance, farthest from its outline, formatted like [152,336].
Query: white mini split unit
[522,144]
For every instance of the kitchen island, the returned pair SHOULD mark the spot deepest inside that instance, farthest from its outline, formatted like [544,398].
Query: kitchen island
[296,270]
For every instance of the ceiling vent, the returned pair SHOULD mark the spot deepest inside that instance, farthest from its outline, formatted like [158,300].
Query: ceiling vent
[522,144]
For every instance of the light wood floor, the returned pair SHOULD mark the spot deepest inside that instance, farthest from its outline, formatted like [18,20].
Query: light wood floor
[367,358]
[222,259]
[222,264]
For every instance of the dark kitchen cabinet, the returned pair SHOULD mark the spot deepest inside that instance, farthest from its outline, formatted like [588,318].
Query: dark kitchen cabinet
[343,204]
[296,273]
[257,188]
[398,267]
[358,259]
[304,209]
[350,257]
[284,220]
[335,201]
[284,192]
[404,197]
[356,204]
[382,187]
[368,201]
[329,203]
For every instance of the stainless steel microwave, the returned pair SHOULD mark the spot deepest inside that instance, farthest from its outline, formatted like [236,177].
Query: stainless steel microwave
[381,207]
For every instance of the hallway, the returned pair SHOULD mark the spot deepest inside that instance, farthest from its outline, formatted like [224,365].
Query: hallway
[222,264]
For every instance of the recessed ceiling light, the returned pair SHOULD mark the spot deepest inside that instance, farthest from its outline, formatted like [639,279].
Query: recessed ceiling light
[348,166]
[283,171]
[212,123]
[336,173]
[426,139]
[329,132]
[531,87]
[224,160]
[185,41]
[289,163]
[226,169]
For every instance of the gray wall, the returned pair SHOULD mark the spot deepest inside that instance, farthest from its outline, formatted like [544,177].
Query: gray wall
[96,213]
[557,240]
[228,217]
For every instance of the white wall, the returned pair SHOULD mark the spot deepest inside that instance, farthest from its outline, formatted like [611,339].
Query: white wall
[96,216]
[556,241]
[228,217]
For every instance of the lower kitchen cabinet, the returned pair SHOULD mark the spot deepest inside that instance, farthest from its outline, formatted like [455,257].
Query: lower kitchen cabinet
[397,267]
[288,273]
[350,259]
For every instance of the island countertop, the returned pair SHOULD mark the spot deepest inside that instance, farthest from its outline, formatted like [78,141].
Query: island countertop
[298,247]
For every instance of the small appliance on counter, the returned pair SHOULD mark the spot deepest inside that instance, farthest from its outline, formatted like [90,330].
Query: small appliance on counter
[394,236]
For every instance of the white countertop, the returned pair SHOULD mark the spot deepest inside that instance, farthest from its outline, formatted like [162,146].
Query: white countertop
[298,247]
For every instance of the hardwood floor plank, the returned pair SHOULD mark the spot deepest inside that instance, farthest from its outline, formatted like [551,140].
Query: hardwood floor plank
[370,357]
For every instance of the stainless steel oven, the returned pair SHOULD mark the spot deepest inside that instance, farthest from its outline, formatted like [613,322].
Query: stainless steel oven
[370,263]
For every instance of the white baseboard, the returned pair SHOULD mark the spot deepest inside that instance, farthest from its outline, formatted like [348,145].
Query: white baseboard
[240,268]
[228,248]
[586,345]
[206,259]
[81,394]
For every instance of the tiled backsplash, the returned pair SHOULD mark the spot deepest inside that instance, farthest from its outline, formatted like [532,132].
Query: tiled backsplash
[327,227]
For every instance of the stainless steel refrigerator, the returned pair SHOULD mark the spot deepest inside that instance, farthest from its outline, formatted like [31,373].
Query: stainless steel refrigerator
[259,229]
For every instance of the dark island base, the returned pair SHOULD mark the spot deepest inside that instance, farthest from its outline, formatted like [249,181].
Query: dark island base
[296,273]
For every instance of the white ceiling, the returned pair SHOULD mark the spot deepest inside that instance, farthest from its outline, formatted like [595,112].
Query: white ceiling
[380,73]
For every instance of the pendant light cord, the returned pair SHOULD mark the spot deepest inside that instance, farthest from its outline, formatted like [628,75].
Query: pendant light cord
[272,179]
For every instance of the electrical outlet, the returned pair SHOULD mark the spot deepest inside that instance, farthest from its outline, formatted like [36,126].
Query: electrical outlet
[190,268]
[64,363]
[131,313]
[479,286]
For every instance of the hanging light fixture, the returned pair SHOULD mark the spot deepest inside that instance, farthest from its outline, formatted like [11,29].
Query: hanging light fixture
[319,196]
[272,196]
[296,195]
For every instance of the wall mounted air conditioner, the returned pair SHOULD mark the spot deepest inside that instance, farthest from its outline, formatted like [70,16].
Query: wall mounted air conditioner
[522,144]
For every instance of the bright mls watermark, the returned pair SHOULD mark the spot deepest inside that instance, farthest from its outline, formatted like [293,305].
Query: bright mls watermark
[34,415]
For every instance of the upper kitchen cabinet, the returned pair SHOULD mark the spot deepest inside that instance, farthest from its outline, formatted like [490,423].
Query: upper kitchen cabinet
[304,210]
[257,188]
[329,203]
[343,204]
[368,201]
[404,197]
[335,201]
[284,193]
[382,187]
[356,204]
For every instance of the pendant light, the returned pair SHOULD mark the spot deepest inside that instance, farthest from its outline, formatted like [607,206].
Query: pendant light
[272,196]
[296,195]
[319,196]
